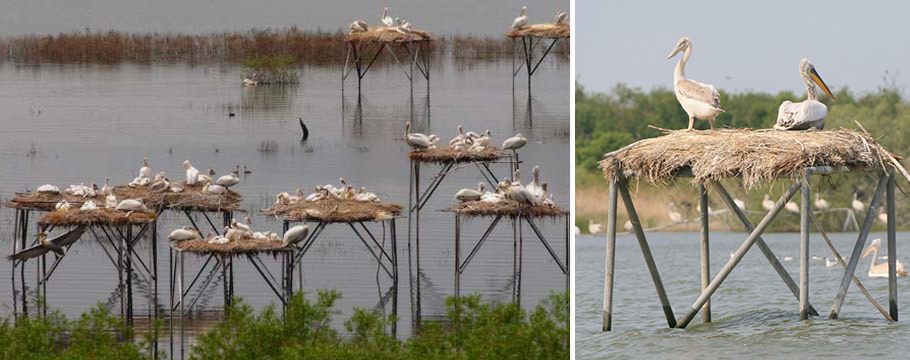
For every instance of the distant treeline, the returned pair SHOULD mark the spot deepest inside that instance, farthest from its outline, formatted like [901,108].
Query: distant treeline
[303,46]
[608,121]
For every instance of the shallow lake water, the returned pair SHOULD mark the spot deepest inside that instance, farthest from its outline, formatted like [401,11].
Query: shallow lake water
[754,314]
[71,124]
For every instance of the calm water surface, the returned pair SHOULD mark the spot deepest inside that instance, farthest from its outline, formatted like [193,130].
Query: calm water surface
[754,313]
[67,125]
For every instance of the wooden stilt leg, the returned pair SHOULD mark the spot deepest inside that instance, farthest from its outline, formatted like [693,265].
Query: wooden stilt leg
[611,258]
[705,254]
[892,249]
[804,252]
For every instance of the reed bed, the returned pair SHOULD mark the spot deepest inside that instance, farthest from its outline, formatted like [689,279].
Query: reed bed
[99,216]
[334,210]
[47,202]
[753,155]
[447,155]
[191,198]
[553,31]
[505,208]
[242,246]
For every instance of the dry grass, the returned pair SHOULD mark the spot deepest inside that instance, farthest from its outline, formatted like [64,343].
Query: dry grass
[753,155]
[47,202]
[99,216]
[558,31]
[191,198]
[450,155]
[333,210]
[388,35]
[505,208]
[243,246]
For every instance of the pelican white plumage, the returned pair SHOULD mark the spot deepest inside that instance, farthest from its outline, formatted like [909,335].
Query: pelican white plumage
[110,201]
[183,234]
[252,80]
[492,197]
[820,204]
[522,19]
[674,215]
[295,234]
[627,226]
[534,185]
[857,205]
[400,26]
[792,207]
[521,195]
[240,226]
[561,18]
[62,205]
[514,143]
[228,180]
[106,189]
[767,204]
[882,216]
[740,204]
[88,205]
[577,230]
[881,270]
[161,185]
[131,205]
[807,114]
[386,19]
[364,196]
[48,189]
[788,258]
[458,138]
[145,170]
[470,194]
[699,100]
[816,257]
[358,26]
[830,263]
[192,174]
[213,189]
[219,240]
[417,141]
[594,228]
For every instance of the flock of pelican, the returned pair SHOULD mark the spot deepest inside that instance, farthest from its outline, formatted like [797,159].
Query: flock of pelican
[533,194]
[400,25]
[344,191]
[561,18]
[239,231]
[465,141]
[702,101]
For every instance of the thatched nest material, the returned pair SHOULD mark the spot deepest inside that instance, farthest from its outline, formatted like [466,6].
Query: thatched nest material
[47,202]
[753,155]
[333,210]
[244,246]
[191,198]
[553,31]
[450,155]
[505,208]
[388,35]
[99,216]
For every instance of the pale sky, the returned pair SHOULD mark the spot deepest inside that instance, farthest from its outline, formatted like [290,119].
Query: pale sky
[740,46]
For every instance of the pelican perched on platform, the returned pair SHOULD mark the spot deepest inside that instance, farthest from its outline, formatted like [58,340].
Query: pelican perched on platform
[56,244]
[183,234]
[131,205]
[807,114]
[674,215]
[594,228]
[228,180]
[359,26]
[792,207]
[514,143]
[106,189]
[698,99]
[740,204]
[470,194]
[534,185]
[522,19]
[192,174]
[295,234]
[386,19]
[881,270]
[417,141]
[88,205]
[820,204]
[857,205]
[48,189]
[767,204]
[562,17]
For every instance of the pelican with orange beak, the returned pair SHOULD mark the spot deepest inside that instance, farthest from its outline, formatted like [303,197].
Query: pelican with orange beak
[807,114]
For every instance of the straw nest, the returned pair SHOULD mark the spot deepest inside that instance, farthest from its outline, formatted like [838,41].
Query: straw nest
[450,155]
[333,210]
[553,31]
[388,35]
[191,198]
[752,155]
[243,246]
[99,216]
[48,202]
[505,208]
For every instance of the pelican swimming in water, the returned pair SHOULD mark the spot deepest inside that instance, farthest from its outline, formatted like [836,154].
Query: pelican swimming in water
[857,205]
[192,174]
[470,194]
[820,204]
[594,228]
[698,99]
[183,234]
[386,19]
[881,270]
[521,20]
[417,141]
[740,204]
[359,26]
[56,244]
[830,263]
[250,81]
[788,258]
[561,18]
[767,204]
[807,114]
[514,143]
[674,215]
[792,207]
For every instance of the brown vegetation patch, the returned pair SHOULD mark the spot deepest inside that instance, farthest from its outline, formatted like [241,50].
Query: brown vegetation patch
[388,35]
[99,216]
[243,246]
[451,155]
[48,202]
[333,210]
[505,208]
[191,198]
[553,31]
[753,155]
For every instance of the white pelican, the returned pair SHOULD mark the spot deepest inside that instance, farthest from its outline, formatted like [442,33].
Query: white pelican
[106,189]
[295,234]
[521,195]
[816,257]
[57,244]
[534,186]
[408,27]
[459,138]
[740,204]
[820,204]
[492,197]
[807,114]
[48,189]
[250,81]
[710,210]
[400,26]
[319,194]
[386,19]
[857,205]
[788,258]
[561,18]
[880,270]
[792,207]
[358,26]
[484,139]
[577,230]
[176,188]
[364,196]
[470,194]
[545,197]
[63,205]
[514,143]
[417,141]
[240,226]
[594,228]
[627,226]
[767,204]
[160,185]
[698,99]
[674,216]
[830,263]
[192,175]
[145,170]
[228,180]
[131,205]
[213,189]
[220,240]
[522,19]
[110,201]
[349,193]
[88,205]
[140,181]
[882,216]
[282,198]
[206,178]
[183,234]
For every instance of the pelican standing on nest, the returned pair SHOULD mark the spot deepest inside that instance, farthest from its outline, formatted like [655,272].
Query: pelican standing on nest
[674,215]
[857,205]
[562,18]
[767,204]
[295,234]
[521,20]
[881,270]
[192,174]
[470,194]
[417,141]
[386,19]
[594,228]
[807,114]
[145,171]
[792,207]
[821,204]
[359,26]
[514,143]
[698,99]
[183,234]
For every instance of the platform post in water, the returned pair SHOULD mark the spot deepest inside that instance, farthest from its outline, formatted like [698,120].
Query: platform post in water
[705,254]
[892,248]
[611,258]
[804,251]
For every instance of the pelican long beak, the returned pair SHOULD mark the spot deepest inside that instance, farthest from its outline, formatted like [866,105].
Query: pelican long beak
[676,50]
[821,83]
[868,251]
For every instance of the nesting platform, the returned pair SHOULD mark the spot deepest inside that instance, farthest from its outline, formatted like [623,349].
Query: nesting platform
[711,156]
[190,199]
[99,216]
[245,246]
[388,35]
[552,31]
[364,48]
[529,37]
[334,211]
[47,201]
[505,208]
[445,155]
